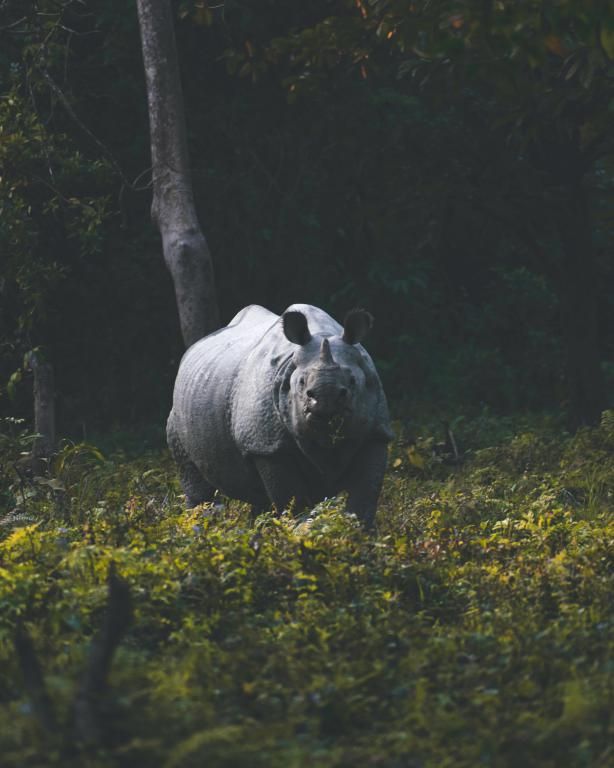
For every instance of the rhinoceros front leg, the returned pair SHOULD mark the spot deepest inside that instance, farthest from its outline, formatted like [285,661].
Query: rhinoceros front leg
[282,482]
[364,481]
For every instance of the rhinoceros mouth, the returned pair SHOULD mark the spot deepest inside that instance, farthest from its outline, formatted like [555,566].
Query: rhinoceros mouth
[330,426]
[322,419]
[326,417]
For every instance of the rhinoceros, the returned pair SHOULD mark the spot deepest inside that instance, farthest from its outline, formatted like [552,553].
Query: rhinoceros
[271,409]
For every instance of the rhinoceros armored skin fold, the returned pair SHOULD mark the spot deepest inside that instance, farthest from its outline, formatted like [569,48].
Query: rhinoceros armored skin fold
[271,409]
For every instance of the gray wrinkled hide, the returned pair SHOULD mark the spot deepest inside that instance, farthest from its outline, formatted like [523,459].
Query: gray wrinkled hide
[266,420]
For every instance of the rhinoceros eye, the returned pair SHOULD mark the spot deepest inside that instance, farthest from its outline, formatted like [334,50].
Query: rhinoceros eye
[352,381]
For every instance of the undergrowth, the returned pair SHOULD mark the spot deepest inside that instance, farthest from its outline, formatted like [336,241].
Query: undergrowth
[474,628]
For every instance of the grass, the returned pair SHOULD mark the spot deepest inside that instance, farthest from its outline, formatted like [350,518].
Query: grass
[475,628]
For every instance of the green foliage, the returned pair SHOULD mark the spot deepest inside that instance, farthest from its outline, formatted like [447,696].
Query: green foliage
[514,113]
[60,194]
[399,156]
[474,628]
[40,209]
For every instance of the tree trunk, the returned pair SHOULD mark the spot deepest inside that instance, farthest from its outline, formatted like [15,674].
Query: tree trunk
[578,290]
[185,249]
[44,406]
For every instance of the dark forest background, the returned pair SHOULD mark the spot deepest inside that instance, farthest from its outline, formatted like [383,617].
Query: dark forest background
[447,165]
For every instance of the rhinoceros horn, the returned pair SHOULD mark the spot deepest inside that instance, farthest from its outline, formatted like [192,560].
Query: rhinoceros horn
[326,356]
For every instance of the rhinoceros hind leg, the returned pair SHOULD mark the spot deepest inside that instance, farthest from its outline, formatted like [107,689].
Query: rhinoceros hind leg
[197,490]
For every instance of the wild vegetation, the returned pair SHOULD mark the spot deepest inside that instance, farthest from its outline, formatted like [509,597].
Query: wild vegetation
[475,627]
[446,164]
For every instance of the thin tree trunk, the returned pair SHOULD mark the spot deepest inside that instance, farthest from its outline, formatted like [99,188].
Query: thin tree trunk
[578,290]
[185,249]
[44,406]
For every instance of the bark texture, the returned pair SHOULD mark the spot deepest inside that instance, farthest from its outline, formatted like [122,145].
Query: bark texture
[185,248]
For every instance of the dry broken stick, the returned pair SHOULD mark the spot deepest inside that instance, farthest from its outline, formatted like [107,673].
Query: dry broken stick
[33,680]
[87,714]
[450,442]
[118,615]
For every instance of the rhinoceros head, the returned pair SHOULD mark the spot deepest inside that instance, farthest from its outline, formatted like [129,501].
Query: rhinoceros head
[325,396]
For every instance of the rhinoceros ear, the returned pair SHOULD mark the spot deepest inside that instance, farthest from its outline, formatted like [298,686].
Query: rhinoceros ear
[357,323]
[296,329]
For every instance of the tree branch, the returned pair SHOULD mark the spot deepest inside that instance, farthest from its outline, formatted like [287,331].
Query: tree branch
[59,93]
